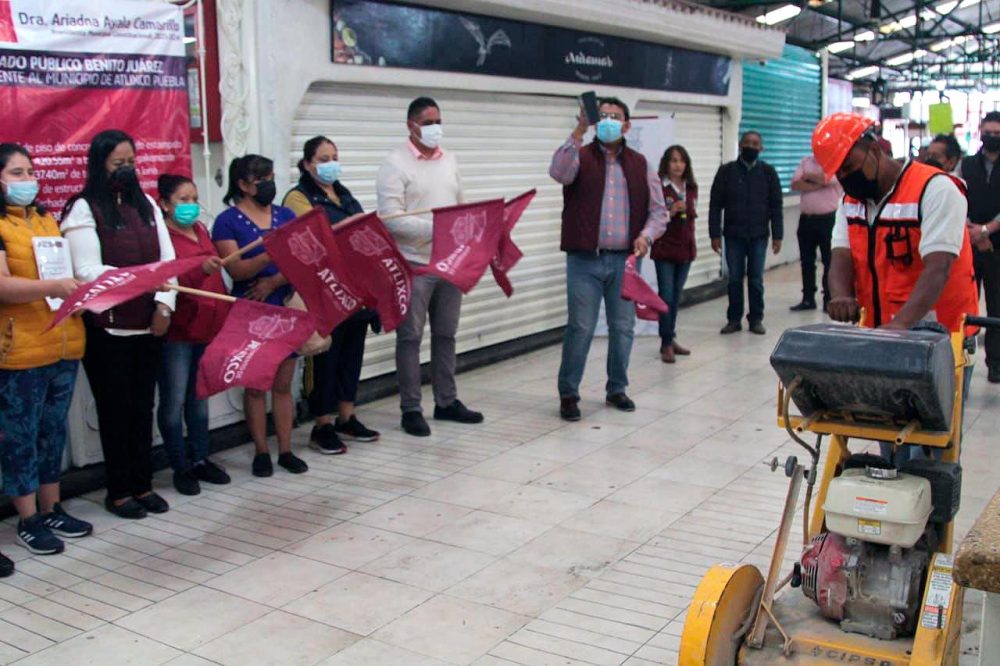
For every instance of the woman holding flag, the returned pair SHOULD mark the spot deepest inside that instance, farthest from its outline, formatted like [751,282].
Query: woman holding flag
[37,366]
[335,373]
[110,224]
[193,326]
[250,215]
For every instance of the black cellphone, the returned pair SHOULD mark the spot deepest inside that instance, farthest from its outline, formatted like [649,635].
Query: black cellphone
[588,102]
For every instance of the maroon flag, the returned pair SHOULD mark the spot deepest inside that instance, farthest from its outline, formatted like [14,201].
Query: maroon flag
[466,238]
[369,250]
[306,253]
[508,254]
[648,305]
[123,284]
[253,342]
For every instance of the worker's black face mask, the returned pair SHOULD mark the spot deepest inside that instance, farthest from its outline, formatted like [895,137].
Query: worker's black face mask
[991,143]
[749,155]
[859,186]
[930,161]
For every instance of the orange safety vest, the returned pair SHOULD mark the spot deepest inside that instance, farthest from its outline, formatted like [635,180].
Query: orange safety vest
[886,255]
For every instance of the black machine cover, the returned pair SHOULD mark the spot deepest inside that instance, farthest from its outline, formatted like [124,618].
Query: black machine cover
[871,374]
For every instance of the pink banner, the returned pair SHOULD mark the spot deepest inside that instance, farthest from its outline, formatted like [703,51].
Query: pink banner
[648,304]
[369,250]
[306,252]
[508,254]
[123,284]
[254,341]
[72,68]
[466,239]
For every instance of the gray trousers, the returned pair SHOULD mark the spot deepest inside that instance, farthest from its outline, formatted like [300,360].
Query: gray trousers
[442,302]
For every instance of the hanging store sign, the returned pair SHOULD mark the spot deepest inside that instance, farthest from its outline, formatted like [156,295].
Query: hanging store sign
[371,32]
[72,68]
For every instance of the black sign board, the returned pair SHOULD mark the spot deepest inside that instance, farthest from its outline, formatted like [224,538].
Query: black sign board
[389,34]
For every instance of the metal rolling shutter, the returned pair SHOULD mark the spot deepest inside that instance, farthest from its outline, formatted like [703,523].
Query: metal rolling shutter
[699,130]
[782,101]
[503,144]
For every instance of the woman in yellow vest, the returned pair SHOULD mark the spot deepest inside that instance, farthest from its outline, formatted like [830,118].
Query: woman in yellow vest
[37,366]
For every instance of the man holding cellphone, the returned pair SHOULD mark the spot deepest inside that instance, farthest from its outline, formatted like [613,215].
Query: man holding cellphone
[612,206]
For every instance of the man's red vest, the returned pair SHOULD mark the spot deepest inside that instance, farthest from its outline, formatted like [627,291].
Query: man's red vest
[886,255]
[582,199]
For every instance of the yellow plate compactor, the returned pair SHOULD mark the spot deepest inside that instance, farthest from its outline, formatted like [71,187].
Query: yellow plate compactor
[874,568]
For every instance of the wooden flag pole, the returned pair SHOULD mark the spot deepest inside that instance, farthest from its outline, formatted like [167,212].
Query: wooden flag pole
[230,258]
[202,292]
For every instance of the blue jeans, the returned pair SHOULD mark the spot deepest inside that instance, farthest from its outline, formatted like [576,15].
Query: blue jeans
[178,405]
[589,279]
[670,279]
[745,258]
[33,408]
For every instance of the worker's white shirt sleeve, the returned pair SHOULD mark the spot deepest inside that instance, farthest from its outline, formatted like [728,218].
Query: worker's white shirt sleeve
[840,237]
[944,210]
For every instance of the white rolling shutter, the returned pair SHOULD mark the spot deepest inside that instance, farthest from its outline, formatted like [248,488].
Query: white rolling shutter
[503,144]
[699,130]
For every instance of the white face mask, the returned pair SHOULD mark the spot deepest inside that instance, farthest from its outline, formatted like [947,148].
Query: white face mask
[430,135]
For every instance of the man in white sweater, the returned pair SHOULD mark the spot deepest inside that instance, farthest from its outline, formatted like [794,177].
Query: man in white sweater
[416,176]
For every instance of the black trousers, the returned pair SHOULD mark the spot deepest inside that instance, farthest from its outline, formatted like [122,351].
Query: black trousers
[988,279]
[814,234]
[122,374]
[336,371]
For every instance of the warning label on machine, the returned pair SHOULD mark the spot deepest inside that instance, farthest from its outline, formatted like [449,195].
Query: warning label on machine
[873,507]
[939,586]
[871,527]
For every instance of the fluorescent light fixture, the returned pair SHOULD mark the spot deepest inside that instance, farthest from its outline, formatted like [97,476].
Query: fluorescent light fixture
[904,58]
[861,102]
[946,7]
[991,28]
[948,43]
[779,15]
[906,22]
[862,72]
[190,40]
[837,47]
[865,36]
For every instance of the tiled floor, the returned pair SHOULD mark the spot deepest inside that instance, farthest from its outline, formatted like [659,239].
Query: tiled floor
[522,541]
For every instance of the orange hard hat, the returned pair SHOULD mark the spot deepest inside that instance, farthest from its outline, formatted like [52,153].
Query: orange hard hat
[834,137]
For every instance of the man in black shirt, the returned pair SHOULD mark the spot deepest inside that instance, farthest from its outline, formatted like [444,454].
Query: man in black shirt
[983,182]
[745,208]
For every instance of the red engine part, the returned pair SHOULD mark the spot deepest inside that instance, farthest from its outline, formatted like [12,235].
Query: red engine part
[824,579]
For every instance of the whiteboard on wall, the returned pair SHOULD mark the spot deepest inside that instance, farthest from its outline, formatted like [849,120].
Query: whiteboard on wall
[651,136]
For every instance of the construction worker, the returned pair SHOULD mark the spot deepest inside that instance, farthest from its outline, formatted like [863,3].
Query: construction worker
[900,247]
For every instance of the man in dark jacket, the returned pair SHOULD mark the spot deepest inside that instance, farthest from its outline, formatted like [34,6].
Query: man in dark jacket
[745,208]
[983,182]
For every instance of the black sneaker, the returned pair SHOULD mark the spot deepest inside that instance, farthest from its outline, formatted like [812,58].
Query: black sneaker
[292,463]
[414,424]
[569,409]
[129,509]
[210,472]
[803,306]
[153,503]
[262,465]
[66,525]
[324,439]
[757,328]
[186,483]
[993,375]
[731,327]
[354,431]
[37,538]
[620,401]
[6,566]
[457,412]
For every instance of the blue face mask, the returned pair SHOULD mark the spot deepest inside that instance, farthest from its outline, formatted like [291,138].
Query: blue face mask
[21,192]
[186,214]
[328,172]
[609,130]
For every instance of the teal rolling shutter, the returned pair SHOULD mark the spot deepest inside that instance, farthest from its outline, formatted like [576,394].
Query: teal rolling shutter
[782,101]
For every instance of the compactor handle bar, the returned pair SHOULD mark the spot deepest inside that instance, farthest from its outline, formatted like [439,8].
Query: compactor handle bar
[985,322]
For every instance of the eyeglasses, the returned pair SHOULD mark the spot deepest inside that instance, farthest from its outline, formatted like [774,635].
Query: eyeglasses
[612,115]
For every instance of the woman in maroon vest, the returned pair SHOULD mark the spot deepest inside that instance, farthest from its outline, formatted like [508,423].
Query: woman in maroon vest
[674,251]
[111,223]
